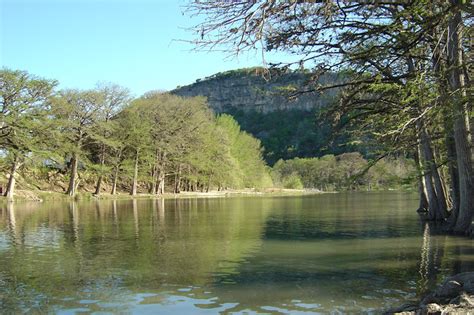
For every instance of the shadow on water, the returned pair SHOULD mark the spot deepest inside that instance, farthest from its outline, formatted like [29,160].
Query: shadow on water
[347,252]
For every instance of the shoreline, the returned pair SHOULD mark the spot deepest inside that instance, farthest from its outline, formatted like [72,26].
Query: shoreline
[41,196]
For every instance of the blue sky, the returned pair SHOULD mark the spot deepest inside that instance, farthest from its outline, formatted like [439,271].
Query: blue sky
[129,42]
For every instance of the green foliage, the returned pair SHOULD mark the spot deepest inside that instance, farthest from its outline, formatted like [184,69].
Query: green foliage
[246,152]
[345,171]
[101,135]
[178,140]
[77,114]
[292,181]
[24,105]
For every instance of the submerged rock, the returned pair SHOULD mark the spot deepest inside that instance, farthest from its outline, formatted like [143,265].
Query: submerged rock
[454,296]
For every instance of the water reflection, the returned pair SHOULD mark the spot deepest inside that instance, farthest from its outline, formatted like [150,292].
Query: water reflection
[346,252]
[12,228]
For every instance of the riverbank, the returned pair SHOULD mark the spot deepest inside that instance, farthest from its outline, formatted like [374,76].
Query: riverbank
[454,296]
[39,196]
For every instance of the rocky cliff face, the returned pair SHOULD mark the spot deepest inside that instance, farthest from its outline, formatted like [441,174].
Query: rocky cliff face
[250,90]
[287,128]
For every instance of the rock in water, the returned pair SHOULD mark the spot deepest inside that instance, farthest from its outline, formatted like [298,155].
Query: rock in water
[454,296]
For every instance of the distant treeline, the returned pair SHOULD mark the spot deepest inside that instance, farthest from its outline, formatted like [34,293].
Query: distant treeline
[348,171]
[103,140]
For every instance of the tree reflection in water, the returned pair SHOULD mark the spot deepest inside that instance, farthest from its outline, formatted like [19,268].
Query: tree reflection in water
[354,252]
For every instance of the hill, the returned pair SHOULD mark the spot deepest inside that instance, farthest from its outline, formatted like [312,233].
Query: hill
[287,127]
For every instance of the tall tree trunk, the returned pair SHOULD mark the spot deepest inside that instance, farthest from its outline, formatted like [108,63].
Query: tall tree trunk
[114,180]
[428,189]
[177,184]
[423,204]
[10,190]
[154,174]
[436,211]
[98,185]
[102,163]
[161,182]
[453,187]
[429,159]
[453,174]
[116,171]
[154,180]
[432,186]
[208,186]
[133,192]
[161,175]
[461,136]
[71,190]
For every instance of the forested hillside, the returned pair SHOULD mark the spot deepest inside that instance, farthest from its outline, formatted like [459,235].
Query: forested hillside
[265,105]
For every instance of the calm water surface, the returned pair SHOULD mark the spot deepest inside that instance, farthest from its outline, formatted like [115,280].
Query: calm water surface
[347,253]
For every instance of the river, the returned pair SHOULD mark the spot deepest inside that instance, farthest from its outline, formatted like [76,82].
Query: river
[349,252]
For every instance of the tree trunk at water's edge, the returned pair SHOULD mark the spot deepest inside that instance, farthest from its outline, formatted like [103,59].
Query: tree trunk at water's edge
[10,189]
[456,83]
[71,190]
[133,192]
